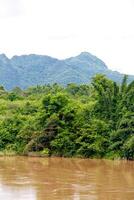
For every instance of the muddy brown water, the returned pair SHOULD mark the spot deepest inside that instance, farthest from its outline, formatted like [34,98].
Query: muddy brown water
[32,178]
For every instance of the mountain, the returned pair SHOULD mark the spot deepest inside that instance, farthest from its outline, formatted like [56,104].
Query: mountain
[30,70]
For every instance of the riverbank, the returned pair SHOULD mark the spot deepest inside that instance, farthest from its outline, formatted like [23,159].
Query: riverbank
[43,155]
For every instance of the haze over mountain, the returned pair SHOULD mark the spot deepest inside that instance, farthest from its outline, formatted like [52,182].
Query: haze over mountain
[30,70]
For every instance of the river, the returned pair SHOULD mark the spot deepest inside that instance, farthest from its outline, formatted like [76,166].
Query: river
[34,178]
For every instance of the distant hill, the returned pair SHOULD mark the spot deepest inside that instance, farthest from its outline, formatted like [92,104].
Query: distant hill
[30,70]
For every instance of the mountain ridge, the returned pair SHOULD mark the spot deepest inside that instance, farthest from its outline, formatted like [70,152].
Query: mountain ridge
[30,70]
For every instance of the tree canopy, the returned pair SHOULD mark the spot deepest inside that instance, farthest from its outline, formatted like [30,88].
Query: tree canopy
[95,120]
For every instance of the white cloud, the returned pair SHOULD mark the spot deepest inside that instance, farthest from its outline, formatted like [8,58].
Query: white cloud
[64,28]
[10,8]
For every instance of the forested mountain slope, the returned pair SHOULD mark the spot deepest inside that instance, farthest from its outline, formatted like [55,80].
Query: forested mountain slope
[30,70]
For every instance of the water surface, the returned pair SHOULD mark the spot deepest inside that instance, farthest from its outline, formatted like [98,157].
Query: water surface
[30,178]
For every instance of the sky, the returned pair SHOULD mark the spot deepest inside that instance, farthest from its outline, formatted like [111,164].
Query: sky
[65,28]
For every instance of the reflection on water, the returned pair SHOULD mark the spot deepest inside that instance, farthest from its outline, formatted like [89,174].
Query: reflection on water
[10,193]
[24,178]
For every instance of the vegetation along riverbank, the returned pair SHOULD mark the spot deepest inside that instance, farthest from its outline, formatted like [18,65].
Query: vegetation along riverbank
[93,120]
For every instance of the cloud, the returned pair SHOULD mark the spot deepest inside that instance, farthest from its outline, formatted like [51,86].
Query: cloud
[62,37]
[63,28]
[10,8]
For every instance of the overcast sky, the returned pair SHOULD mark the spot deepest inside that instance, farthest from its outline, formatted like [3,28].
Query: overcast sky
[64,28]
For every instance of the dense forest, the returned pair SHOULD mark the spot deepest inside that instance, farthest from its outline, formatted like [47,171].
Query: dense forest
[90,121]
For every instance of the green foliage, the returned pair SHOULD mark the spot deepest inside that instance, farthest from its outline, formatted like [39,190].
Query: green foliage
[95,120]
[93,139]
